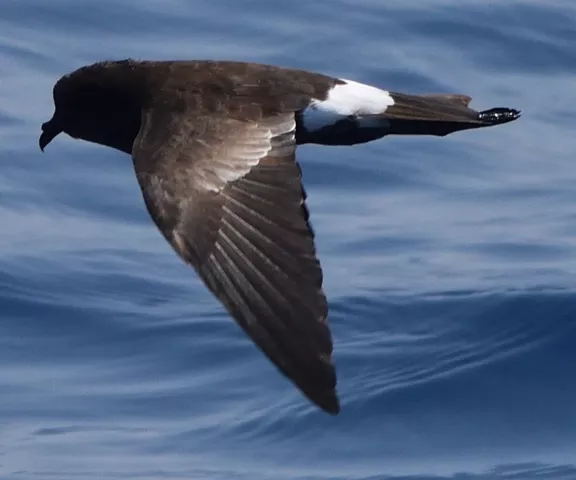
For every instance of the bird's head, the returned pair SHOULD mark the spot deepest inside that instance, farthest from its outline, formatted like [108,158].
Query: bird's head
[98,103]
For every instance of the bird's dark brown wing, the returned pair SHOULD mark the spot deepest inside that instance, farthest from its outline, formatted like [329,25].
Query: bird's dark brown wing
[227,195]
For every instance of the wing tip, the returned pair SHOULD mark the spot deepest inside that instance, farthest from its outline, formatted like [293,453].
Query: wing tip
[333,408]
[327,400]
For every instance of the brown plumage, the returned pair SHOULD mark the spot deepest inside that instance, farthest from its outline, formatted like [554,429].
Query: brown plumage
[213,146]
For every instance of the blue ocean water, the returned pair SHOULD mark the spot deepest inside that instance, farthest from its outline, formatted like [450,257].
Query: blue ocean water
[450,263]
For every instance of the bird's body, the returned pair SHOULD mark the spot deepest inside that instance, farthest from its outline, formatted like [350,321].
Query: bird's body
[213,146]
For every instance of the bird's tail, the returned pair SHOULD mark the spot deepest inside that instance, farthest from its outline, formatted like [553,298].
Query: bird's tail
[440,114]
[378,113]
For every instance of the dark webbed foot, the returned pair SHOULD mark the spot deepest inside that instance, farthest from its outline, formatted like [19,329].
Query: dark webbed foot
[496,116]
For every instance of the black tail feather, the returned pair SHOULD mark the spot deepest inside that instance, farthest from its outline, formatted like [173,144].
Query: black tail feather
[441,115]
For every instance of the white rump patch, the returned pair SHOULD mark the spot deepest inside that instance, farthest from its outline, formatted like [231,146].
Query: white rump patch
[344,100]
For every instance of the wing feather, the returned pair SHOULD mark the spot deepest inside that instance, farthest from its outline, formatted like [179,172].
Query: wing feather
[232,205]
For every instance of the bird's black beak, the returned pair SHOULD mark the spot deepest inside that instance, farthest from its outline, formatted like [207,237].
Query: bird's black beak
[49,130]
